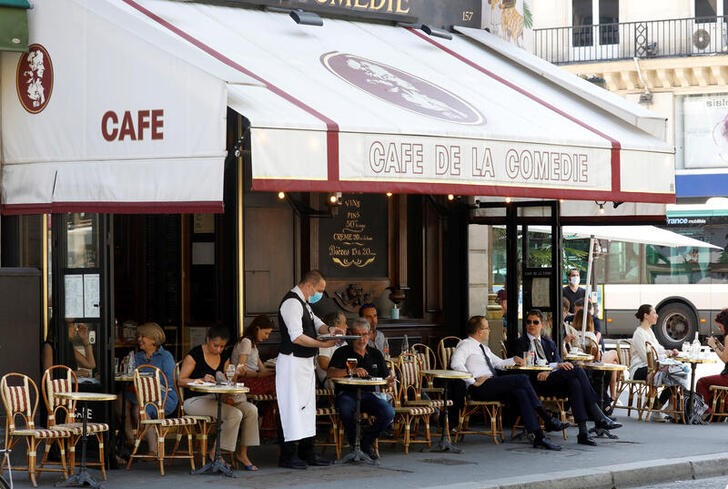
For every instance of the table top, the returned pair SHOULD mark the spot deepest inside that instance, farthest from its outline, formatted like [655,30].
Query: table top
[358,381]
[446,374]
[123,378]
[87,396]
[210,388]
[327,337]
[580,357]
[541,368]
[694,359]
[603,366]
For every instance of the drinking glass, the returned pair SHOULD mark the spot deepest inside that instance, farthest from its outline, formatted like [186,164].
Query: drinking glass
[351,365]
[230,373]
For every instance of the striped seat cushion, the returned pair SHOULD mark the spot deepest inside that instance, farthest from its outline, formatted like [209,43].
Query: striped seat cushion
[183,421]
[77,428]
[325,411]
[261,397]
[415,410]
[471,402]
[44,433]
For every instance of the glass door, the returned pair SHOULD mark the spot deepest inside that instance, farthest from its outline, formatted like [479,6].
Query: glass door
[80,288]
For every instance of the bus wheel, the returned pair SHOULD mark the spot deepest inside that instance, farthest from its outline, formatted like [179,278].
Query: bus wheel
[676,323]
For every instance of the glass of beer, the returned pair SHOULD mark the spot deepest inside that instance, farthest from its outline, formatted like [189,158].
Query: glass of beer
[351,365]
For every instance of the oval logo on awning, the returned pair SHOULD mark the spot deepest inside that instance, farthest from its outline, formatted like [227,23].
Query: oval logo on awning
[34,79]
[401,88]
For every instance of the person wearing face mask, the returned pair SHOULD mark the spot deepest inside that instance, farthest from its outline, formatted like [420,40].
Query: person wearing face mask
[295,372]
[572,291]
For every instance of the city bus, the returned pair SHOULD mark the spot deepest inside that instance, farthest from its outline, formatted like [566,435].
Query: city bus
[687,286]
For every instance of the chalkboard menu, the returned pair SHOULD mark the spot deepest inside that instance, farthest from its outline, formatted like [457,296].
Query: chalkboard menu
[354,242]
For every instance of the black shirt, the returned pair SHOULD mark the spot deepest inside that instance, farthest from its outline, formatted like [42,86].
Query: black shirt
[372,361]
[573,296]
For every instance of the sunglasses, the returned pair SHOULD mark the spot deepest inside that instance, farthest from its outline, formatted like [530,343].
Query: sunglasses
[533,321]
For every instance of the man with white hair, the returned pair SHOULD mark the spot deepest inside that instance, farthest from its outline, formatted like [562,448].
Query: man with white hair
[370,363]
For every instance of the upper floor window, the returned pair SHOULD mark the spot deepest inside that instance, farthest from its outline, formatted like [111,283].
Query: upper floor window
[706,10]
[584,24]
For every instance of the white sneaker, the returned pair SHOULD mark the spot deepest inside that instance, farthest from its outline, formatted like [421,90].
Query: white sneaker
[658,417]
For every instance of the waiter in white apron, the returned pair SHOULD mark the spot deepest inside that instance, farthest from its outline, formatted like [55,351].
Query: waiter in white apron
[295,371]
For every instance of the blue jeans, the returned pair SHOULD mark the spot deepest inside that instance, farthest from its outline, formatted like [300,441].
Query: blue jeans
[372,405]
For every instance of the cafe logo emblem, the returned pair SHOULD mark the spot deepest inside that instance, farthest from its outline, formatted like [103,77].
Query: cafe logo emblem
[401,88]
[34,78]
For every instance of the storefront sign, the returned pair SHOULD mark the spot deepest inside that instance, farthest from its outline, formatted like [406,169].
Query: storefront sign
[442,14]
[705,130]
[354,242]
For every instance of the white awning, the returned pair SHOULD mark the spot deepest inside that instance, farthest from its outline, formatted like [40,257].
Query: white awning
[350,106]
[370,107]
[116,122]
[629,234]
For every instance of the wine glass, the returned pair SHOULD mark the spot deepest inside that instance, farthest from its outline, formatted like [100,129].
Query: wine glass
[351,365]
[230,373]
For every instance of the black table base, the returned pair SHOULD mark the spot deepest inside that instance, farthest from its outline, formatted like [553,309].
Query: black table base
[217,464]
[83,477]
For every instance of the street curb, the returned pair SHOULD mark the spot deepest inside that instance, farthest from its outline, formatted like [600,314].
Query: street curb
[614,476]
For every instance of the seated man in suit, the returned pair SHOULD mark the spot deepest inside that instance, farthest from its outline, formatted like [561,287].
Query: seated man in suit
[472,355]
[564,379]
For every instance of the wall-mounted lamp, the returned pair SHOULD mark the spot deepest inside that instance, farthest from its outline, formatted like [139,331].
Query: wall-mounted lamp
[389,194]
[435,32]
[616,204]
[508,200]
[281,195]
[334,199]
[601,206]
[450,197]
[306,18]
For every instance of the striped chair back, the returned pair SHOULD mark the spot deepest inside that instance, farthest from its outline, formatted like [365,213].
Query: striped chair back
[59,378]
[150,385]
[20,398]
[410,380]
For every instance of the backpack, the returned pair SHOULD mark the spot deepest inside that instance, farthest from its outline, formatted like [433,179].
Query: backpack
[695,411]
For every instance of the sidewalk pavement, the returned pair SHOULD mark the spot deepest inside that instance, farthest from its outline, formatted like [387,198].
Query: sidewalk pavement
[645,453]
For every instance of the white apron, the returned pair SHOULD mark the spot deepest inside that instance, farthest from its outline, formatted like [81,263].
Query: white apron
[296,393]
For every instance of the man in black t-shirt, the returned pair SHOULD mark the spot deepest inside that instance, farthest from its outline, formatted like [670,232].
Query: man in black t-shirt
[370,363]
[572,291]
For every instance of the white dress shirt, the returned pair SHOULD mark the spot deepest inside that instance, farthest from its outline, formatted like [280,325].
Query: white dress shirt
[292,312]
[468,357]
[639,352]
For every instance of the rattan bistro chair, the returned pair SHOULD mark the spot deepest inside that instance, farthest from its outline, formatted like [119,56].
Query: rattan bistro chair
[20,398]
[636,389]
[150,385]
[57,379]
[445,349]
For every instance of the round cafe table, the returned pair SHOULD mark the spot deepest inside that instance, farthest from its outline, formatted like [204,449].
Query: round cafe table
[445,444]
[357,455]
[579,357]
[83,476]
[218,464]
[693,361]
[531,368]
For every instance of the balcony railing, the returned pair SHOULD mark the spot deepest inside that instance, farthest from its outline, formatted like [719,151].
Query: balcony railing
[626,40]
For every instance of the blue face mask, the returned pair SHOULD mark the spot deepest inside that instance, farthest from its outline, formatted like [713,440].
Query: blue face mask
[313,299]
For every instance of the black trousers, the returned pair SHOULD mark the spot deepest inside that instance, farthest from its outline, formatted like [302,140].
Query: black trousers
[516,389]
[303,448]
[573,384]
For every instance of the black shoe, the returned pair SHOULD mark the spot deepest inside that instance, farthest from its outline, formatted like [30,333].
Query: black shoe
[607,424]
[318,461]
[554,424]
[546,444]
[583,439]
[370,452]
[293,463]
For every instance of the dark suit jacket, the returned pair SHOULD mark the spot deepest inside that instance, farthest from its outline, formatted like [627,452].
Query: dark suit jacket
[549,348]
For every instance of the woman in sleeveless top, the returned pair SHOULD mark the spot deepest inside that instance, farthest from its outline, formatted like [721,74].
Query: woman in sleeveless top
[239,417]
